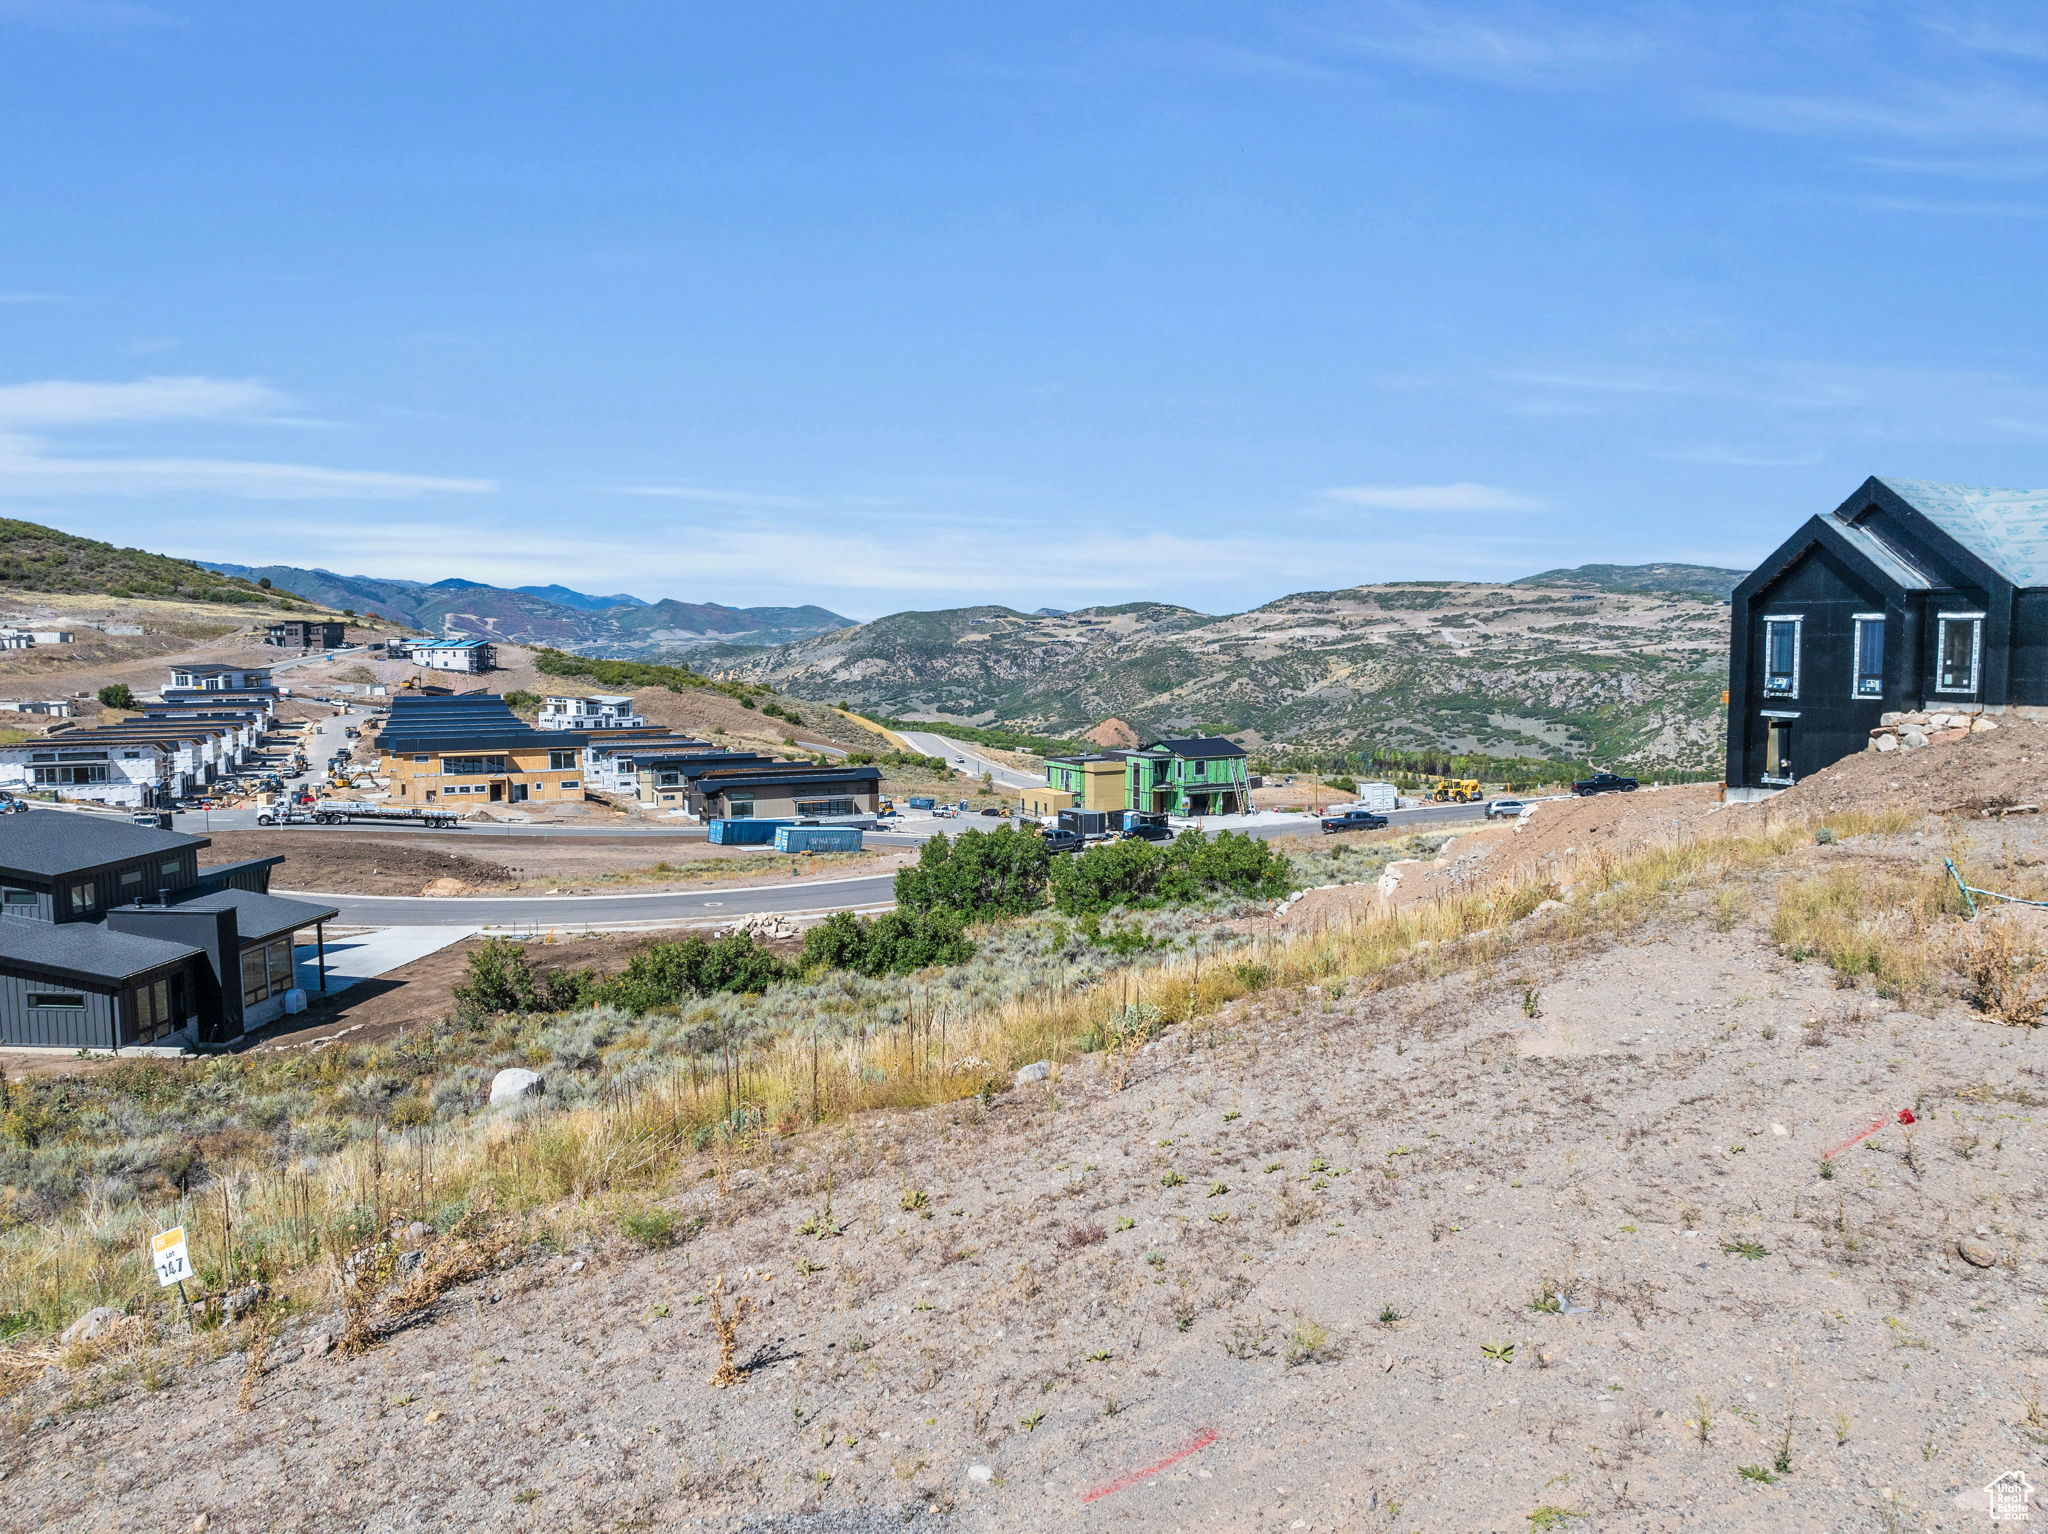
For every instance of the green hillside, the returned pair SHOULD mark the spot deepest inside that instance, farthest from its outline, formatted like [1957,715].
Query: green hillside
[38,558]
[1677,580]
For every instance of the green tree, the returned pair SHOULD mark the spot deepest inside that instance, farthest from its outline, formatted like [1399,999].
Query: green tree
[117,695]
[977,875]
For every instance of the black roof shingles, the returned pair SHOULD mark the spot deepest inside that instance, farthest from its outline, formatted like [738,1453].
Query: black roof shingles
[86,950]
[48,844]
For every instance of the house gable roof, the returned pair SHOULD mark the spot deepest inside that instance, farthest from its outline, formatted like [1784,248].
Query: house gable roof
[86,950]
[2006,529]
[50,843]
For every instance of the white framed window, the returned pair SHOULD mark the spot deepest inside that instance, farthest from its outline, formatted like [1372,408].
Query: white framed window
[1781,657]
[1958,651]
[572,783]
[1867,678]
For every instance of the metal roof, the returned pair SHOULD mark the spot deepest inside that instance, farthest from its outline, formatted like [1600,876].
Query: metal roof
[2007,529]
[465,721]
[258,918]
[49,843]
[86,949]
[642,745]
[764,777]
[446,644]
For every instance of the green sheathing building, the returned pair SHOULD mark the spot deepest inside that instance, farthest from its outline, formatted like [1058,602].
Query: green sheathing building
[1096,780]
[1201,776]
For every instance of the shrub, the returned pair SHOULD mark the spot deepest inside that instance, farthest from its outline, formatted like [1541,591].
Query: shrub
[667,973]
[896,943]
[654,1229]
[117,695]
[1192,867]
[500,979]
[977,875]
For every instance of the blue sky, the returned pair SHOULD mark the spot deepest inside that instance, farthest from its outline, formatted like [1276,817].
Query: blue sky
[910,305]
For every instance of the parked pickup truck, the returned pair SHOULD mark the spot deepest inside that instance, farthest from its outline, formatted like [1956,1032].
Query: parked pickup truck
[1604,783]
[1353,820]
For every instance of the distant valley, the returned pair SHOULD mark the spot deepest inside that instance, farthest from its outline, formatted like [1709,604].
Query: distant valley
[626,627]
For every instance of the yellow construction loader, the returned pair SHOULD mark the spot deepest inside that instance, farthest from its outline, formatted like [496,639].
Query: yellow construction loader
[1457,791]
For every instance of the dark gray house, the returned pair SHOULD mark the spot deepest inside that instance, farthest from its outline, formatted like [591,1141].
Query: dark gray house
[112,934]
[1907,596]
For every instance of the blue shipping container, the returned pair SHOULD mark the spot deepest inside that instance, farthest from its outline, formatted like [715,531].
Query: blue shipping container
[818,839]
[920,801]
[745,833]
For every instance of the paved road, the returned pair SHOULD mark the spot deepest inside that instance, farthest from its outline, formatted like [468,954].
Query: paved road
[968,759]
[597,910]
[714,904]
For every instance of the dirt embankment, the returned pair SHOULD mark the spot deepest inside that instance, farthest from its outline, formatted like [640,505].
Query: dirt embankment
[1557,1239]
[1995,770]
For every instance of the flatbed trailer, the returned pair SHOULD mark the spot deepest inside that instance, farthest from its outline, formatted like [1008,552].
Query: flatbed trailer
[334,812]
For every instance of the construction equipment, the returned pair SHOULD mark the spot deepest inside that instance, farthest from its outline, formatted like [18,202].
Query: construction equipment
[1457,791]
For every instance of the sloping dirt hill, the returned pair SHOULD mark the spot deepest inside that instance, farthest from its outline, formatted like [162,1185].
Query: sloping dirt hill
[1548,1241]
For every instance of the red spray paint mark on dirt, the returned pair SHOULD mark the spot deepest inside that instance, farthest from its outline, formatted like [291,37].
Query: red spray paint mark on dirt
[1202,1441]
[1905,1117]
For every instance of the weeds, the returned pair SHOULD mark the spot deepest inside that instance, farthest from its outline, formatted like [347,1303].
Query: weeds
[2006,978]
[725,1323]
[1310,1342]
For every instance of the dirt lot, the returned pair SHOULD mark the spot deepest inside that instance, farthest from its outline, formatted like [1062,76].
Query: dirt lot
[2005,767]
[405,863]
[1472,1264]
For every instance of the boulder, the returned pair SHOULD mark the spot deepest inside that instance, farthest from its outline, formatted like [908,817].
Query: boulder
[1885,743]
[1912,740]
[237,1303]
[516,1082]
[1037,1070]
[94,1323]
[1975,1253]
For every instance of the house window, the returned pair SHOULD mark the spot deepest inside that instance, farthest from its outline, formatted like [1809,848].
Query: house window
[84,897]
[153,1012]
[1959,645]
[561,761]
[170,868]
[668,780]
[1869,679]
[266,971]
[739,808]
[131,879]
[419,758]
[1198,769]
[57,1001]
[824,806]
[472,766]
[68,777]
[1778,751]
[1781,657]
[571,783]
[18,897]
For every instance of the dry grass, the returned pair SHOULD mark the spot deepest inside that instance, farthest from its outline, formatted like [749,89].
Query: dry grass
[2006,976]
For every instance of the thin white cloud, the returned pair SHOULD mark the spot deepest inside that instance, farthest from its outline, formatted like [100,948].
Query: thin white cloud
[1973,110]
[29,298]
[1935,209]
[1509,44]
[67,402]
[2000,168]
[27,470]
[1463,496]
[711,497]
[30,466]
[82,13]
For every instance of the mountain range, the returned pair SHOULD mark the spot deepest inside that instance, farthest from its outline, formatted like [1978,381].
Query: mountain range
[1622,665]
[622,626]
